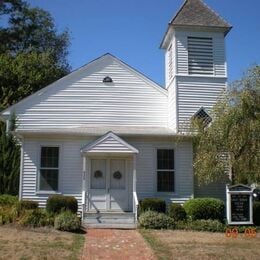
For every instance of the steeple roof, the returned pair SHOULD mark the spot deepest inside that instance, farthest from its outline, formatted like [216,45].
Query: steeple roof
[195,13]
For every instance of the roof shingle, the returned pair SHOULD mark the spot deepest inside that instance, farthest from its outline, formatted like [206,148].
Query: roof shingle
[197,13]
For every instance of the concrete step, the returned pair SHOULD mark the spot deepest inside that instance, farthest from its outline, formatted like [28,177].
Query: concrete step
[109,220]
[110,226]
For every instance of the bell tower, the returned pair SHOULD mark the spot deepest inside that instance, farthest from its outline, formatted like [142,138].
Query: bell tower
[195,62]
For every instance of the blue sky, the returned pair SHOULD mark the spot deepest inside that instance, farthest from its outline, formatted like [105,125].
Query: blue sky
[133,29]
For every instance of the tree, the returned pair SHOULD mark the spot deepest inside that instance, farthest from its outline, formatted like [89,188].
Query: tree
[232,142]
[32,55]
[9,162]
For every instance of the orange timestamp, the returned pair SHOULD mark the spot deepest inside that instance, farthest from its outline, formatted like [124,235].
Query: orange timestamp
[233,232]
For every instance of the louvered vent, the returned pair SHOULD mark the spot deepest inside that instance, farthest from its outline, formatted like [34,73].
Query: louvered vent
[201,114]
[200,55]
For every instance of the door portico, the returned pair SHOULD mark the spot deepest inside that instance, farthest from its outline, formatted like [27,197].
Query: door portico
[108,175]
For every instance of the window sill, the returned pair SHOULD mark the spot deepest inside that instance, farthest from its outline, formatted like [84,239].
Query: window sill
[47,192]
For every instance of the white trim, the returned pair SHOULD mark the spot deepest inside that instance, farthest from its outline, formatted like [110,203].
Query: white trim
[164,193]
[228,201]
[108,181]
[89,147]
[49,144]
[21,170]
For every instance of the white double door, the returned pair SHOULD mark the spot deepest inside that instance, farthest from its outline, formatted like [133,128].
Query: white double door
[108,185]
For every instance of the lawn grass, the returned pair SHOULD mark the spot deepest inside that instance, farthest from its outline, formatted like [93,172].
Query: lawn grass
[161,250]
[39,243]
[176,244]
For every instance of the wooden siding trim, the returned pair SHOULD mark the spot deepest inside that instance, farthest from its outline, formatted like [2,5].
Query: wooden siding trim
[111,147]
[81,70]
[38,167]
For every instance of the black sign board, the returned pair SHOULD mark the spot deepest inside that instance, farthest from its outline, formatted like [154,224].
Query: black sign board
[240,207]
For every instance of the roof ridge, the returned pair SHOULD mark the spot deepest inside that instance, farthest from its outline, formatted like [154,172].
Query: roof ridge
[212,10]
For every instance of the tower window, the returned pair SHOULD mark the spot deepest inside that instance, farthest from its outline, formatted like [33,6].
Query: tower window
[107,80]
[202,115]
[200,55]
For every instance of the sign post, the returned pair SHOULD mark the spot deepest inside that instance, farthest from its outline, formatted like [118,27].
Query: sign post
[239,204]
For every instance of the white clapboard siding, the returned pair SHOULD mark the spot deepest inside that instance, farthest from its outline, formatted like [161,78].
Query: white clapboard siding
[215,190]
[194,93]
[110,144]
[83,99]
[146,169]
[70,170]
[182,54]
[220,64]
[219,58]
[71,167]
[172,105]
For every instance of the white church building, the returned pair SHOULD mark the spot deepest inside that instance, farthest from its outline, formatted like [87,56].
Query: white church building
[109,136]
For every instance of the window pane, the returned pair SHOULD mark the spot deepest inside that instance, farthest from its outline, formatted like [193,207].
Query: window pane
[165,181]
[165,159]
[50,157]
[49,179]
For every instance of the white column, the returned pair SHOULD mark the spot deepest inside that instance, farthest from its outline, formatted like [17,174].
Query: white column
[134,173]
[134,185]
[84,184]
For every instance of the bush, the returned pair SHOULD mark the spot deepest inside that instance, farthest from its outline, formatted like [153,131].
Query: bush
[67,221]
[155,220]
[8,214]
[152,204]
[256,213]
[8,200]
[177,212]
[36,218]
[27,204]
[205,208]
[59,203]
[202,225]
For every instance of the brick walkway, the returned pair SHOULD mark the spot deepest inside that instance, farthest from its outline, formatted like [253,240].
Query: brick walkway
[116,244]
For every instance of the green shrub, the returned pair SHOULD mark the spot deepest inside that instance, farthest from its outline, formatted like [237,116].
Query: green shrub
[177,212]
[27,204]
[8,200]
[256,213]
[59,203]
[67,221]
[155,220]
[8,214]
[36,218]
[205,208]
[202,225]
[152,204]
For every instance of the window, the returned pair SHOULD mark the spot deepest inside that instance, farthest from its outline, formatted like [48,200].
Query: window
[49,168]
[170,67]
[202,115]
[107,80]
[165,170]
[200,55]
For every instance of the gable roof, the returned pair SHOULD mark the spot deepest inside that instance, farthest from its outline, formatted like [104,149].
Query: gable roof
[109,143]
[197,13]
[80,71]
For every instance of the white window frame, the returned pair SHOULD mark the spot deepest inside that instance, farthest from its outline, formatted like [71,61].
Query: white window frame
[164,193]
[38,190]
